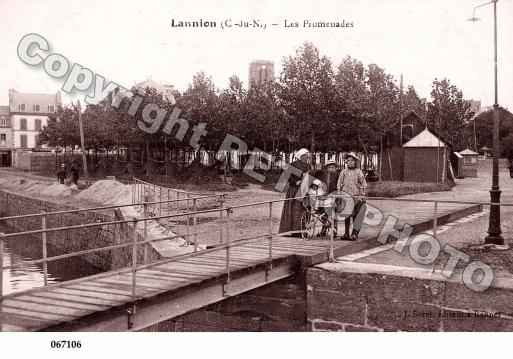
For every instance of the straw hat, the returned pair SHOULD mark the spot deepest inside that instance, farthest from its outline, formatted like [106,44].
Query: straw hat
[351,154]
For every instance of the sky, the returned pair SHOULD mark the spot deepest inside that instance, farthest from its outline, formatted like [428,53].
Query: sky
[130,41]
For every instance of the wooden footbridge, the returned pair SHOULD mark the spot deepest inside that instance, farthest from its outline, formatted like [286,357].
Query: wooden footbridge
[148,292]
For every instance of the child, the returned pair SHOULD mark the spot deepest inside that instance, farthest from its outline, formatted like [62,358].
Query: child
[352,181]
[61,174]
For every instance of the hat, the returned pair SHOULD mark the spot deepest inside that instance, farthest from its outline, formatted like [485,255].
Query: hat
[300,153]
[330,162]
[351,154]
[317,182]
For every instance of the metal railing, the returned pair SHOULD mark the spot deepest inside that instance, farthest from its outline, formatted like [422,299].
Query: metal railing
[134,244]
[225,214]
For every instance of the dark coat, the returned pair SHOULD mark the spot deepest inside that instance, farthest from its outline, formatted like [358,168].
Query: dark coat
[293,209]
[329,179]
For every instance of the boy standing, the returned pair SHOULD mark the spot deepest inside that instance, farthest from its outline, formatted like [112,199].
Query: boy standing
[352,181]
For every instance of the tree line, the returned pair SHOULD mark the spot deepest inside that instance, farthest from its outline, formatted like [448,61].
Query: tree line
[312,103]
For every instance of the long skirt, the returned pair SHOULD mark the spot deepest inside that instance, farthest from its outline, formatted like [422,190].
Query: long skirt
[292,212]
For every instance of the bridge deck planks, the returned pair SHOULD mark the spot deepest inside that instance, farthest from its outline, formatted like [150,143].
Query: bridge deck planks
[51,306]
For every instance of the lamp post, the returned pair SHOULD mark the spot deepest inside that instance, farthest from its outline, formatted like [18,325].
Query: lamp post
[494,236]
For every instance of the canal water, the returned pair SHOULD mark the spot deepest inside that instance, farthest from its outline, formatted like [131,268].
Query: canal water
[19,250]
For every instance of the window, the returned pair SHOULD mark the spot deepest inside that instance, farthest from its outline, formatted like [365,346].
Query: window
[3,137]
[37,124]
[4,122]
[23,124]
[36,141]
[23,141]
[36,108]
[51,108]
[21,107]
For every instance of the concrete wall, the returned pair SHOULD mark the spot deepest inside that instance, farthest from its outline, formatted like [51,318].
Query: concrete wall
[280,306]
[338,301]
[34,161]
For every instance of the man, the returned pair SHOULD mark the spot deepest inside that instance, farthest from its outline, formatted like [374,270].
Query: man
[352,181]
[329,176]
[61,174]
[74,174]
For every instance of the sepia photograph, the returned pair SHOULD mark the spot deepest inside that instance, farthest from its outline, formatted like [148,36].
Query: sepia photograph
[252,167]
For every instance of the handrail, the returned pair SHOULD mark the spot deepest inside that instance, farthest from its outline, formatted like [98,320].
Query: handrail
[144,219]
[237,243]
[135,179]
[78,210]
[225,246]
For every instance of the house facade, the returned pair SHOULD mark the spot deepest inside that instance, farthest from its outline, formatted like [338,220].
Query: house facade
[29,113]
[5,137]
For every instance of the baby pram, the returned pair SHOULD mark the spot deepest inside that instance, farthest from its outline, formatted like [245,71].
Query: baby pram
[317,221]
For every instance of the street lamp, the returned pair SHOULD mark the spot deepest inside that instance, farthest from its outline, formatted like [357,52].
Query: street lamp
[494,229]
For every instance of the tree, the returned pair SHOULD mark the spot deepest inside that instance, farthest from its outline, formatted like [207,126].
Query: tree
[200,103]
[412,102]
[448,113]
[307,94]
[384,101]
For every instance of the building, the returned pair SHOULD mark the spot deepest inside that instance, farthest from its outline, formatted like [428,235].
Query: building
[391,161]
[260,71]
[165,89]
[29,113]
[426,159]
[469,163]
[5,137]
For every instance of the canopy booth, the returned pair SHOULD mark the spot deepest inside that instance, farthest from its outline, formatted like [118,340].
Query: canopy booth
[426,159]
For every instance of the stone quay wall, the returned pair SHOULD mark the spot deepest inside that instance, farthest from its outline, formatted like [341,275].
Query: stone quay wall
[63,242]
[341,301]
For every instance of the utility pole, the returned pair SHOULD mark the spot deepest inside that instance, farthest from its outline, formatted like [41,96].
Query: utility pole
[401,110]
[82,141]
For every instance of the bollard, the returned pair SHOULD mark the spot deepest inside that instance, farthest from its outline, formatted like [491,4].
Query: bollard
[45,253]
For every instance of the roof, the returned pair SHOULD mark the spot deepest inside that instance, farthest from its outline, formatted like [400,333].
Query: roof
[406,115]
[425,139]
[29,99]
[484,148]
[458,155]
[468,152]
[165,89]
